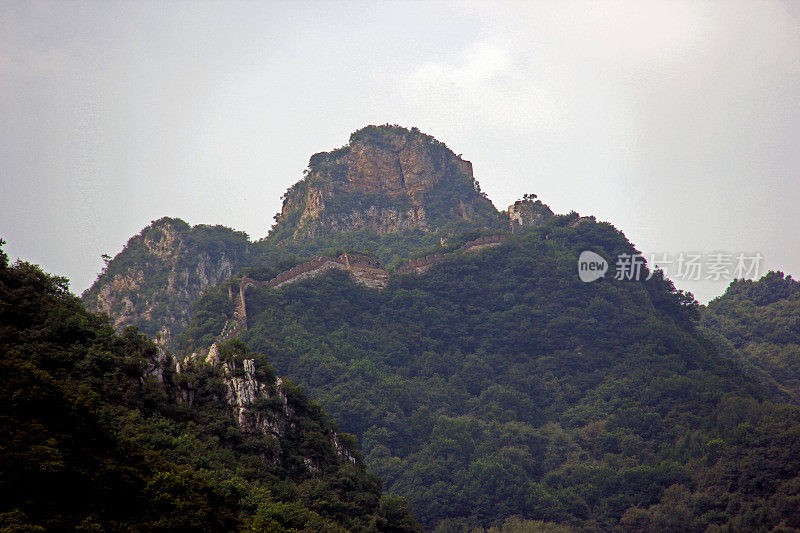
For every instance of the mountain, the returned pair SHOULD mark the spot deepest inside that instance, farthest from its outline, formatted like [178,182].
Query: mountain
[161,271]
[495,383]
[486,382]
[391,192]
[758,323]
[108,432]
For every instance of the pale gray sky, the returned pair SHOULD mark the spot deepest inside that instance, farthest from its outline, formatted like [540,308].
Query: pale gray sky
[677,122]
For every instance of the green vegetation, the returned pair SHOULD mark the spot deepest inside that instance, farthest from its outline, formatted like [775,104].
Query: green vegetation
[758,323]
[496,392]
[498,384]
[96,434]
[392,250]
[377,135]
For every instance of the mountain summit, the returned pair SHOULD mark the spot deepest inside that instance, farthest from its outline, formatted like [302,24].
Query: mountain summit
[386,179]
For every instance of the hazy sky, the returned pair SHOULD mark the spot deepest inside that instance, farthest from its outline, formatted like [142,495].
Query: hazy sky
[677,122]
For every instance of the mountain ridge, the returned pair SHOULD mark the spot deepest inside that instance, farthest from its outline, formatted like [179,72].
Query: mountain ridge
[391,192]
[758,323]
[498,384]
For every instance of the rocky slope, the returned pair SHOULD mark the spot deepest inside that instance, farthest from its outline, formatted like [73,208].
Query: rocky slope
[528,212]
[160,272]
[256,397]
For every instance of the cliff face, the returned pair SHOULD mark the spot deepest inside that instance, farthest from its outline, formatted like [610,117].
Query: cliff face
[161,271]
[387,179]
[259,403]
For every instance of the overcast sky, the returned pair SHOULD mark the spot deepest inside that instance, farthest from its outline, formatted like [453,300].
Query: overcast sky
[677,122]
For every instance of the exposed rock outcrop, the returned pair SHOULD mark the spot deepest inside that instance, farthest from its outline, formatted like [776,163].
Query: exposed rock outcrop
[387,179]
[258,400]
[160,272]
[528,212]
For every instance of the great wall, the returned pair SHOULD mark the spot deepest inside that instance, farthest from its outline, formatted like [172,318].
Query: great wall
[363,269]
[421,264]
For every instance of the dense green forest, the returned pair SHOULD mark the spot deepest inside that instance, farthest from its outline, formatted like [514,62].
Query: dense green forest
[497,384]
[494,392]
[758,322]
[98,434]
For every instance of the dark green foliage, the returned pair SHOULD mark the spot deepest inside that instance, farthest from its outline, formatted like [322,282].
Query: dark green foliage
[498,384]
[758,322]
[771,288]
[63,466]
[392,249]
[91,439]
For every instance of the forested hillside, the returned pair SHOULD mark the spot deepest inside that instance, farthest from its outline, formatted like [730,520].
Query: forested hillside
[491,388]
[103,432]
[499,384]
[758,323]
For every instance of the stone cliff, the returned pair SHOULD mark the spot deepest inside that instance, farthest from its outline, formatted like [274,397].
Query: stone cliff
[160,272]
[257,399]
[387,179]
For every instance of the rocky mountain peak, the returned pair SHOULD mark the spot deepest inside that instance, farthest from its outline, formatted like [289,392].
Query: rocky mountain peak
[164,268]
[386,179]
[398,161]
[390,192]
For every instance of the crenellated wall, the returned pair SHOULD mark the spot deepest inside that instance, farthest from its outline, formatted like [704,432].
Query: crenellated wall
[364,269]
[420,264]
